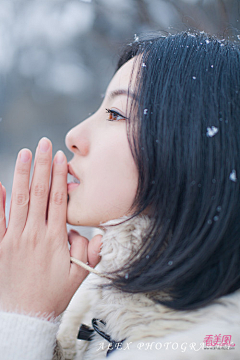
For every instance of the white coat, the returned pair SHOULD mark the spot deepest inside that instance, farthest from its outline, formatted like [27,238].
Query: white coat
[152,331]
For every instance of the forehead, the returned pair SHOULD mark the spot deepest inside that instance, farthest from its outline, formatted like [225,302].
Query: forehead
[122,78]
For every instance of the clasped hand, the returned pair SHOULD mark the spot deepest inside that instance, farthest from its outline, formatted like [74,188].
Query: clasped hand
[36,275]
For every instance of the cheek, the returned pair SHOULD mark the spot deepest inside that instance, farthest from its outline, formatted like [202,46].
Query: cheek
[115,192]
[113,184]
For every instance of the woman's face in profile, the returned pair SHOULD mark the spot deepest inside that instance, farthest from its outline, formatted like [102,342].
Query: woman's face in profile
[102,159]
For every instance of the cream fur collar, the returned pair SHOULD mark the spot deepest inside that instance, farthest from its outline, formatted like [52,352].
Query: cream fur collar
[131,316]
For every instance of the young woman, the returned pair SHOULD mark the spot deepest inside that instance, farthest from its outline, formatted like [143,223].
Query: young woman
[157,168]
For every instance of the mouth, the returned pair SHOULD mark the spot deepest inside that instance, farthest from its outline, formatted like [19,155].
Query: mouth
[73,180]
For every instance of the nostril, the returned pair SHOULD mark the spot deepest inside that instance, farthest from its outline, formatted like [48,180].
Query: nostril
[78,142]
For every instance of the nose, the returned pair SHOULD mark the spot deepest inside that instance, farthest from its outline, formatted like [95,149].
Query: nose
[78,140]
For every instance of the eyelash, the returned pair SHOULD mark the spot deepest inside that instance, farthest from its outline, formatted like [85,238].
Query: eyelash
[113,113]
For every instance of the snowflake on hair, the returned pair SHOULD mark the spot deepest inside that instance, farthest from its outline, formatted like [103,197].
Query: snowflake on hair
[211,131]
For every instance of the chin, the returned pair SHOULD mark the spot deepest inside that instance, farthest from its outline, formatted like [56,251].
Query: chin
[71,220]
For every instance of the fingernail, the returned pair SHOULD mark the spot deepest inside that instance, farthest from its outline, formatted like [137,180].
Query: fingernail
[59,157]
[44,145]
[72,231]
[24,156]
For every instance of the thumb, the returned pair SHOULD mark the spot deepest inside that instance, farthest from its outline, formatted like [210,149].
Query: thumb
[79,251]
[4,197]
[2,211]
[94,249]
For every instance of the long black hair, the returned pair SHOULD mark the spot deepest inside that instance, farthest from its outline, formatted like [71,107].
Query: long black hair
[186,144]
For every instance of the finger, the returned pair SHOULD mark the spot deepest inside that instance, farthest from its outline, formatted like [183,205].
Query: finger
[35,157]
[78,250]
[20,192]
[94,249]
[40,183]
[2,213]
[57,208]
[4,198]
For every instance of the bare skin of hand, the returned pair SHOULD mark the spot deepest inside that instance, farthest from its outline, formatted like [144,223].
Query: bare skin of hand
[36,275]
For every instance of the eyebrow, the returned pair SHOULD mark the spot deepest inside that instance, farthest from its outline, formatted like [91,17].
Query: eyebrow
[120,92]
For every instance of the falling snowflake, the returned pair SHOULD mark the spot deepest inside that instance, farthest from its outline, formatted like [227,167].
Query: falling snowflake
[211,131]
[207,41]
[145,111]
[194,77]
[136,38]
[144,65]
[233,176]
[238,36]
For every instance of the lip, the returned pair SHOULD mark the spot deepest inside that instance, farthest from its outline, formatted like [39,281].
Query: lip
[72,185]
[71,171]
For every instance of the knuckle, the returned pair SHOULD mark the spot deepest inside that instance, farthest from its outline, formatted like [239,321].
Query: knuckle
[84,242]
[43,160]
[58,198]
[40,190]
[54,232]
[31,237]
[21,199]
[21,170]
[60,172]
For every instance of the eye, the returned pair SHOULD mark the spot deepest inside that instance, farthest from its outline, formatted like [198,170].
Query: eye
[114,115]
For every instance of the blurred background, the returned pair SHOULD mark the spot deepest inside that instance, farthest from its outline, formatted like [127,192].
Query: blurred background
[57,57]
